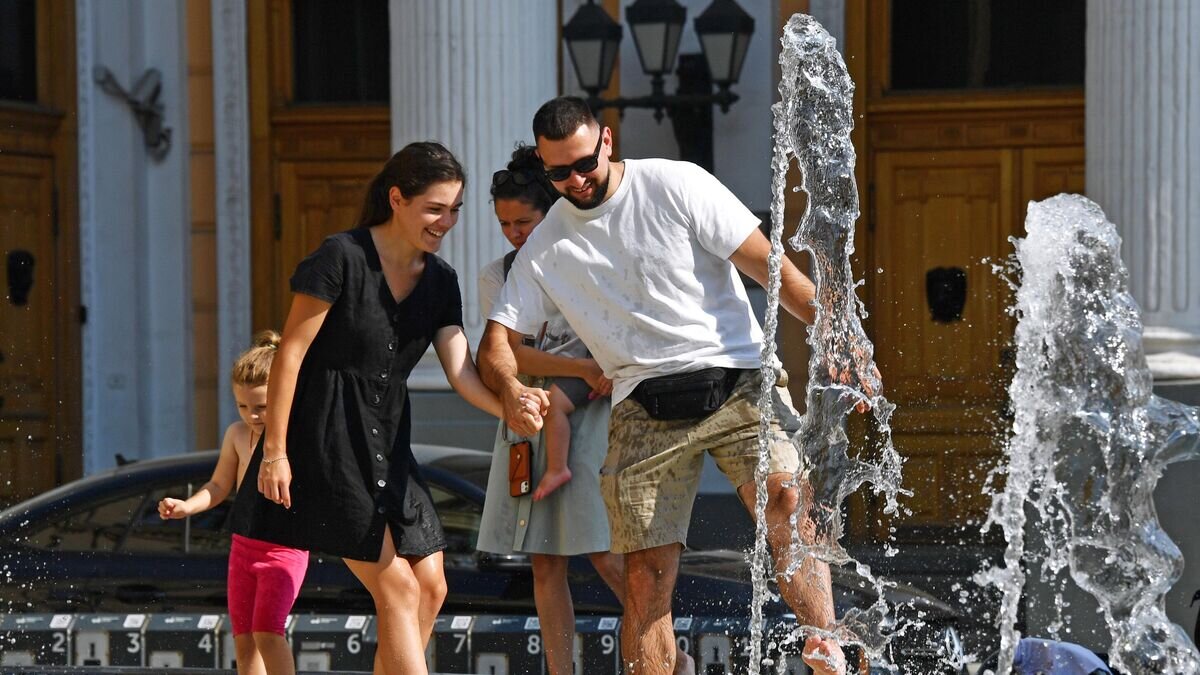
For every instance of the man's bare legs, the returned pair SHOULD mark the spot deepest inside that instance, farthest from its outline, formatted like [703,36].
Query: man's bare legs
[552,595]
[557,444]
[647,634]
[611,567]
[808,591]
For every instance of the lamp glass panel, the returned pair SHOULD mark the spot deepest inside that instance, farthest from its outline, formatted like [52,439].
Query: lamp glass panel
[674,33]
[741,45]
[587,55]
[718,51]
[608,62]
[650,39]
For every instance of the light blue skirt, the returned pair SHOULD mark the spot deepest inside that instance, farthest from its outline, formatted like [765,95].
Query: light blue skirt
[572,520]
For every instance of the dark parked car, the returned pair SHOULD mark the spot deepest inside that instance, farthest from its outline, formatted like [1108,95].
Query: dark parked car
[98,544]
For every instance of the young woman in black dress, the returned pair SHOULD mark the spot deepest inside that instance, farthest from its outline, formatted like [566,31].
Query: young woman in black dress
[337,474]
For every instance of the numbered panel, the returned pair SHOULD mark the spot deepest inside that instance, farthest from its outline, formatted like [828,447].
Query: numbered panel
[35,639]
[597,645]
[324,643]
[502,645]
[110,640]
[183,641]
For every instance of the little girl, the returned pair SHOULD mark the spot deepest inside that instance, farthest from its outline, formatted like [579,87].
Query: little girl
[264,578]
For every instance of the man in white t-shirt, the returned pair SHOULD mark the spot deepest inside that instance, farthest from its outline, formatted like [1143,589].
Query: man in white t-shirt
[642,259]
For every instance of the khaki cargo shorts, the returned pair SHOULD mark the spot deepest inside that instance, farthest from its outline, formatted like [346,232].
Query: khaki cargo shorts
[652,471]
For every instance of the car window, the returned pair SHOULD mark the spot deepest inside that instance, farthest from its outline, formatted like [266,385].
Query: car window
[460,519]
[210,531]
[97,527]
[128,523]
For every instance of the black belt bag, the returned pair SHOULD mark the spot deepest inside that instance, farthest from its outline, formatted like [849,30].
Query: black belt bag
[686,395]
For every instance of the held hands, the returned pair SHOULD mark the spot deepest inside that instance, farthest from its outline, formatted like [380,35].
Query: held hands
[275,476]
[524,408]
[172,509]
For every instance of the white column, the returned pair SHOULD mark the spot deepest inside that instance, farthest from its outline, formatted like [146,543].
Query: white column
[470,75]
[1143,162]
[231,126]
[134,224]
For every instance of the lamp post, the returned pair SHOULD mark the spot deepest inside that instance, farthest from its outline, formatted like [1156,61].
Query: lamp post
[594,38]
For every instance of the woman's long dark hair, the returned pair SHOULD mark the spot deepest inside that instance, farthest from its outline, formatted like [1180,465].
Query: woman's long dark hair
[413,170]
[526,180]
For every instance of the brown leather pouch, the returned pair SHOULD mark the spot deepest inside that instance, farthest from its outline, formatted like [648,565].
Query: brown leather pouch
[520,470]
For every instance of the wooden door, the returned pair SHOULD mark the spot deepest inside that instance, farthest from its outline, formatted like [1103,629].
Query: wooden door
[942,219]
[28,396]
[311,158]
[316,199]
[1046,172]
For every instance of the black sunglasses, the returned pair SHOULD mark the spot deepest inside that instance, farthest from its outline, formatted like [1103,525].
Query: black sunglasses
[583,165]
[517,177]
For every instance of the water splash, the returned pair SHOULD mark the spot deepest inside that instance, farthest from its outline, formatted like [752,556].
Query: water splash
[1089,441]
[812,123]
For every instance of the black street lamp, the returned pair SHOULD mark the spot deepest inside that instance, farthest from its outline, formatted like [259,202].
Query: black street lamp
[725,29]
[593,39]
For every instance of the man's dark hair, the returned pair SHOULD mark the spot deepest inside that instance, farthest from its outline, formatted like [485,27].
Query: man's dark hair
[560,117]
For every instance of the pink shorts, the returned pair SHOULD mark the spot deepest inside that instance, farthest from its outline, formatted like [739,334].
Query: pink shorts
[264,580]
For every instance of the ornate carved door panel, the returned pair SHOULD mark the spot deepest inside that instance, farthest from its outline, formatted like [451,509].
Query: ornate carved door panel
[27,327]
[40,388]
[318,134]
[317,199]
[939,322]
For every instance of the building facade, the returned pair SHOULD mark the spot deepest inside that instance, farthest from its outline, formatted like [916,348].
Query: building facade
[165,164]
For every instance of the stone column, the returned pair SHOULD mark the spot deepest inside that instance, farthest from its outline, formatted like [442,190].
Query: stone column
[1143,162]
[470,75]
[1143,168]
[134,216]
[231,127]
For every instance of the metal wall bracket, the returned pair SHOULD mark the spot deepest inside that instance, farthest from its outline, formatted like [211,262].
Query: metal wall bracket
[144,101]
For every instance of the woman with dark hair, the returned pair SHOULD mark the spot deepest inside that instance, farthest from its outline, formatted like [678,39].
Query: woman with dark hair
[570,520]
[336,473]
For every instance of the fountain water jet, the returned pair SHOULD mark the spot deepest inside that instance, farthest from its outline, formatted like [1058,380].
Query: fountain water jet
[812,123]
[1089,441]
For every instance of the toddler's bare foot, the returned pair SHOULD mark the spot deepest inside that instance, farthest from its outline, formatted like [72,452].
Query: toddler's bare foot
[824,656]
[551,481]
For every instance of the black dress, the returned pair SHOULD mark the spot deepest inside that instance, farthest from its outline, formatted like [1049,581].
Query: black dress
[353,470]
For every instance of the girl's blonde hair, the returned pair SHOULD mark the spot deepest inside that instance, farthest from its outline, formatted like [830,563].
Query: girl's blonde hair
[253,367]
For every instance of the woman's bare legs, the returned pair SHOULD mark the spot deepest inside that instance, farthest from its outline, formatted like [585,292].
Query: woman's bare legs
[556,613]
[394,587]
[431,577]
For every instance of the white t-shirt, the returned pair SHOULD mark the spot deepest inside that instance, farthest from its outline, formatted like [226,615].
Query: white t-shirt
[558,338]
[643,278]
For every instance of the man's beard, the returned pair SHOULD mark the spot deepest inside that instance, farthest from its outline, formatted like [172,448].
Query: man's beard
[597,194]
